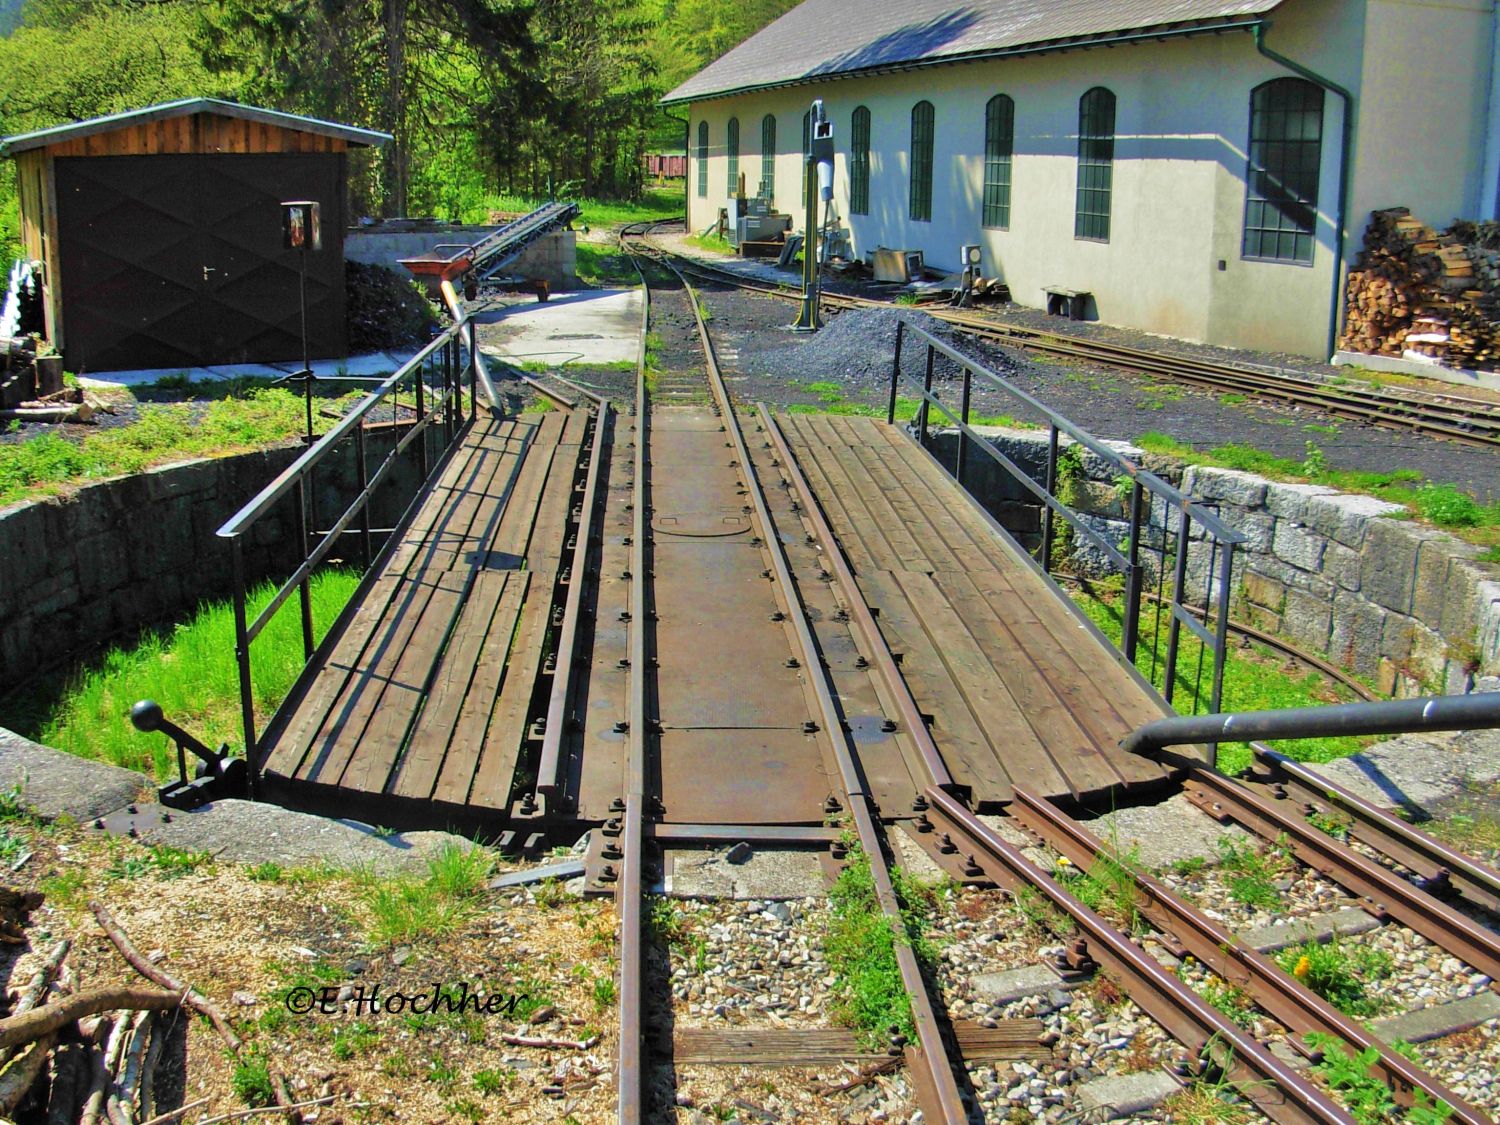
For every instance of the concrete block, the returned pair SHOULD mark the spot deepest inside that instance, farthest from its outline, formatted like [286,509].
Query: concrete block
[1230,486]
[1358,626]
[1298,545]
[1464,598]
[1266,620]
[1286,574]
[1388,562]
[1440,1019]
[1098,499]
[180,478]
[1307,620]
[1318,927]
[1341,565]
[1016,984]
[1124,1095]
[1287,501]
[1345,517]
[55,784]
[1487,633]
[1433,557]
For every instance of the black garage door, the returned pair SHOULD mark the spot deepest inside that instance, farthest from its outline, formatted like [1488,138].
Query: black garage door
[176,261]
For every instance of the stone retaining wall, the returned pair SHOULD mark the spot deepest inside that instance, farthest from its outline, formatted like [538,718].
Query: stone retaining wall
[123,554]
[1403,605]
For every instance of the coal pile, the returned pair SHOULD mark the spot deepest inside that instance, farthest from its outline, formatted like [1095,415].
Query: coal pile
[384,309]
[856,348]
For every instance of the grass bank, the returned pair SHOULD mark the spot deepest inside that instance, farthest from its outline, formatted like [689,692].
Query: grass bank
[190,670]
[653,204]
[1255,679]
[1441,505]
[832,400]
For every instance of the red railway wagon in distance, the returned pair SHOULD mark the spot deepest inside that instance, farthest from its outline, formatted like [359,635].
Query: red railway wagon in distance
[666,166]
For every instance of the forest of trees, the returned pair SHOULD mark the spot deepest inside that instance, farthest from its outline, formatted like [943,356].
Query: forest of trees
[484,97]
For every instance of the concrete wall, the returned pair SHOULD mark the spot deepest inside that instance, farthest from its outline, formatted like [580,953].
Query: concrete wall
[553,258]
[1405,606]
[123,554]
[1178,199]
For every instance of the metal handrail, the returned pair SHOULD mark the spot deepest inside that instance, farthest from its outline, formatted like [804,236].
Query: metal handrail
[1143,484]
[447,409]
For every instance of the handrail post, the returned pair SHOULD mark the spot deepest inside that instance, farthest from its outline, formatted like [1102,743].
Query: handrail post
[304,588]
[926,393]
[961,461]
[473,371]
[890,411]
[421,414]
[1174,625]
[1221,629]
[362,479]
[1051,491]
[1132,624]
[242,659]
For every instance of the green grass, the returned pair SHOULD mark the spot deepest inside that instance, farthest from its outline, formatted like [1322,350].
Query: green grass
[46,464]
[653,204]
[831,400]
[190,671]
[406,909]
[1251,872]
[1255,679]
[1441,505]
[1107,888]
[1369,1100]
[603,264]
[861,949]
[1346,975]
[712,243]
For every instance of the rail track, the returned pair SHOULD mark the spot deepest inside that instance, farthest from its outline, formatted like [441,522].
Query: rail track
[680,414]
[1450,417]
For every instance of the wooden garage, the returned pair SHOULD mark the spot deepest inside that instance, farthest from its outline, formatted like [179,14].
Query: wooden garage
[160,235]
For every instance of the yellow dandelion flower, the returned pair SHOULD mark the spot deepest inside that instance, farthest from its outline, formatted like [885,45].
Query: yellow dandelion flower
[1064,861]
[1302,968]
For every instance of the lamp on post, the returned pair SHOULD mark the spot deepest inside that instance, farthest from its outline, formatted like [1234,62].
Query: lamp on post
[302,230]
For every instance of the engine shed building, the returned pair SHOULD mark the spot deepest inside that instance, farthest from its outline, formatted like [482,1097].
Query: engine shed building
[159,233]
[1200,168]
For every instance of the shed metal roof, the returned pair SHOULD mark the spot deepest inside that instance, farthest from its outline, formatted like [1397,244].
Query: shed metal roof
[840,38]
[183,108]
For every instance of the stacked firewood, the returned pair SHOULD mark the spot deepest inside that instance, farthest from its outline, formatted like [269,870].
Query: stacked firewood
[1416,291]
[70,1053]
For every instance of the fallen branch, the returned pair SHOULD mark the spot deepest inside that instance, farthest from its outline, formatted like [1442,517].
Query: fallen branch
[173,1115]
[112,1034]
[560,1044]
[121,1103]
[20,1074]
[42,978]
[865,1077]
[239,1114]
[69,1078]
[43,1021]
[194,999]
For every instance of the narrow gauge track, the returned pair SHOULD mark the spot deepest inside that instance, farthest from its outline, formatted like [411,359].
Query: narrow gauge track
[1215,1041]
[670,432]
[1450,417]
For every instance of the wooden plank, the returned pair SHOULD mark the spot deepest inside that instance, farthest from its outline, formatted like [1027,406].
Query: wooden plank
[416,552]
[508,544]
[467,682]
[880,534]
[959,737]
[818,1046]
[830,499]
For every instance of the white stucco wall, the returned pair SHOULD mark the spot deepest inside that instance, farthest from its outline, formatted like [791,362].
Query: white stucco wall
[1182,121]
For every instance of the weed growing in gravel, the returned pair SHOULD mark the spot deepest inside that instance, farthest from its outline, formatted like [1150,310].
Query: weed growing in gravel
[604,993]
[355,1039]
[1331,824]
[1191,865]
[861,950]
[1107,888]
[1251,873]
[493,1080]
[68,889]
[1039,913]
[267,872]
[1204,1103]
[407,909]
[1367,1098]
[158,859]
[1341,974]
[251,1081]
[1230,999]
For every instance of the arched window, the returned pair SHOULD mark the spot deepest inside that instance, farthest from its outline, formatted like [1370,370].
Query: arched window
[999,145]
[1096,160]
[859,162]
[703,160]
[921,162]
[768,157]
[732,150]
[1281,177]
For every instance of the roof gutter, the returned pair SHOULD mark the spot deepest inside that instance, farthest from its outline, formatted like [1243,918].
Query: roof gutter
[1336,300]
[1042,48]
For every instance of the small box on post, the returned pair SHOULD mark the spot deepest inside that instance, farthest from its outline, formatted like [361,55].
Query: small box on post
[301,225]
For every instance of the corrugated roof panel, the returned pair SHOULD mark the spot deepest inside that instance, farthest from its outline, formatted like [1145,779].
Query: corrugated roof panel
[42,137]
[829,37]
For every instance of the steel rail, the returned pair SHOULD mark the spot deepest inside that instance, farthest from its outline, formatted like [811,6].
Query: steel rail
[944,1102]
[1273,1086]
[1280,994]
[1384,892]
[550,764]
[629,897]
[1440,865]
[1475,425]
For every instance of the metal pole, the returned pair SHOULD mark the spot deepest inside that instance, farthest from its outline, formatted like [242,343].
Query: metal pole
[1480,711]
[1132,624]
[963,438]
[926,391]
[362,478]
[1052,492]
[1221,629]
[890,410]
[304,588]
[307,375]
[473,373]
[421,414]
[1174,628]
[242,659]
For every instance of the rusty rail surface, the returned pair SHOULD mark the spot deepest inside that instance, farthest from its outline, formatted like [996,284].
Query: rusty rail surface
[1453,417]
[1281,995]
[1441,866]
